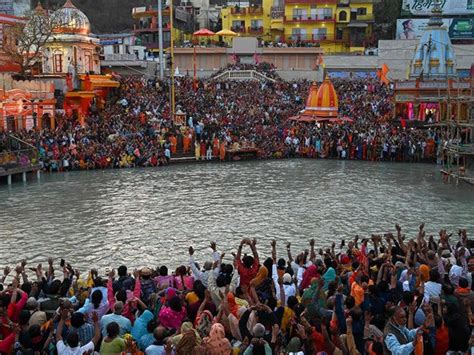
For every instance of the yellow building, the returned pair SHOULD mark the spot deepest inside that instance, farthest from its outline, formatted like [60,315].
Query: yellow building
[249,21]
[334,25]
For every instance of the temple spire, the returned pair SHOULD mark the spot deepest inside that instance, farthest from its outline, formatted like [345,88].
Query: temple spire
[436,19]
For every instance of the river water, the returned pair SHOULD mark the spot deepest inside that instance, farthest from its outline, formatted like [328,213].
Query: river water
[151,216]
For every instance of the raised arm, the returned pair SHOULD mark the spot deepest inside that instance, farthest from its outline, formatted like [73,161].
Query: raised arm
[288,249]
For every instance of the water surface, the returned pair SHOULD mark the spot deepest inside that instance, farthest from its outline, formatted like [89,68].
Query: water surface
[151,216]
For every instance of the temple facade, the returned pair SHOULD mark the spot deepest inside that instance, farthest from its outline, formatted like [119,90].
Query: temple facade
[433,93]
[71,49]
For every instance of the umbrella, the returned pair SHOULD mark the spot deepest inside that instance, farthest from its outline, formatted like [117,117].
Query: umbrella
[227,33]
[203,32]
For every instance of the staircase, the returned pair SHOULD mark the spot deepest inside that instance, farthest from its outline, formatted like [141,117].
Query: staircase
[243,75]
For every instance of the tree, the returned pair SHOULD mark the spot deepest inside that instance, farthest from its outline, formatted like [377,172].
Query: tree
[25,41]
[386,14]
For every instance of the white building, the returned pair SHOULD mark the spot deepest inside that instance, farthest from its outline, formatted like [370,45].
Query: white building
[72,49]
[120,46]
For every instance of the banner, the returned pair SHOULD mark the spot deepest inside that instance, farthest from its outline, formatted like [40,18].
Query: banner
[462,28]
[413,28]
[449,7]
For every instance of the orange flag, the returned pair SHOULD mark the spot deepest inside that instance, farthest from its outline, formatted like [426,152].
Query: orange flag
[382,74]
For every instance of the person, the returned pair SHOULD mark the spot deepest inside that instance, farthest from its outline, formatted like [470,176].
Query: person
[398,339]
[247,267]
[73,346]
[158,347]
[122,322]
[112,342]
[408,30]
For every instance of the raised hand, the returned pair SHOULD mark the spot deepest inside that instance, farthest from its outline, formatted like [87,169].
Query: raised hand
[191,251]
[213,246]
[6,270]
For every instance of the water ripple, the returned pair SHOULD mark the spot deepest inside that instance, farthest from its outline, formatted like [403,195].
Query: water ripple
[151,216]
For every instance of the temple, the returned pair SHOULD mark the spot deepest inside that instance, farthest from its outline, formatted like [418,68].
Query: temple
[433,92]
[72,54]
[321,105]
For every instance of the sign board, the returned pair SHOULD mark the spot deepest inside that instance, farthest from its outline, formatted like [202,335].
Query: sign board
[110,41]
[449,7]
[462,28]
[413,28]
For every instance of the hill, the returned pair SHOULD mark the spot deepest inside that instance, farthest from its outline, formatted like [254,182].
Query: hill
[106,16]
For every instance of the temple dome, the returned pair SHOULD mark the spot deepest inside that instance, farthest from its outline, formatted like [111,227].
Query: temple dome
[325,103]
[74,20]
[313,92]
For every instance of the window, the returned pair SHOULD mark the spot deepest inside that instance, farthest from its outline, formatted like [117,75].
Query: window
[319,34]
[256,24]
[299,14]
[238,25]
[58,63]
[314,12]
[88,62]
[343,16]
[324,14]
[361,11]
[116,49]
[298,34]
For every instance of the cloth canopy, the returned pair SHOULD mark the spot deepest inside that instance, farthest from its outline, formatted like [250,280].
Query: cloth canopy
[226,32]
[203,32]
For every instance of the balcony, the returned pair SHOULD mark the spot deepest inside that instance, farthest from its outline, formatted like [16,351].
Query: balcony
[306,18]
[363,18]
[147,11]
[255,30]
[237,10]
[152,27]
[255,10]
[277,12]
[311,2]
[315,38]
[238,29]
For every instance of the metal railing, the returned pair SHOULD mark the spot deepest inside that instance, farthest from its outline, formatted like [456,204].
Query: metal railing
[19,154]
[243,75]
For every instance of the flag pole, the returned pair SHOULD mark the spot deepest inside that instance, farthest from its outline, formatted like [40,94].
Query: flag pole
[172,61]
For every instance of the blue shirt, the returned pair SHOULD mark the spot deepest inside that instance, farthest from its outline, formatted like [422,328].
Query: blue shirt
[394,345]
[123,322]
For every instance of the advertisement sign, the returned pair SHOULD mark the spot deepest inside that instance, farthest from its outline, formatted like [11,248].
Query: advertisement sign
[449,7]
[461,28]
[413,28]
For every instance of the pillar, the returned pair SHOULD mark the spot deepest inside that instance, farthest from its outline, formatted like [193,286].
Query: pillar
[24,176]
[9,179]
[52,121]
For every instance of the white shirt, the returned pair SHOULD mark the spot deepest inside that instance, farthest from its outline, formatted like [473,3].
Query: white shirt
[432,289]
[155,350]
[63,349]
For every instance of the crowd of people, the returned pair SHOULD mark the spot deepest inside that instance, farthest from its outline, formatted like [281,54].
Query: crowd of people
[389,294]
[135,129]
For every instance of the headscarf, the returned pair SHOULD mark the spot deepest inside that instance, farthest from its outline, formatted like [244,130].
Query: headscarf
[185,328]
[186,343]
[424,272]
[329,276]
[217,343]
[310,273]
[233,307]
[139,328]
[203,323]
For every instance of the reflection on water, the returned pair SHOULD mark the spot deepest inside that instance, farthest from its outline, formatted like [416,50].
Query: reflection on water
[151,216]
